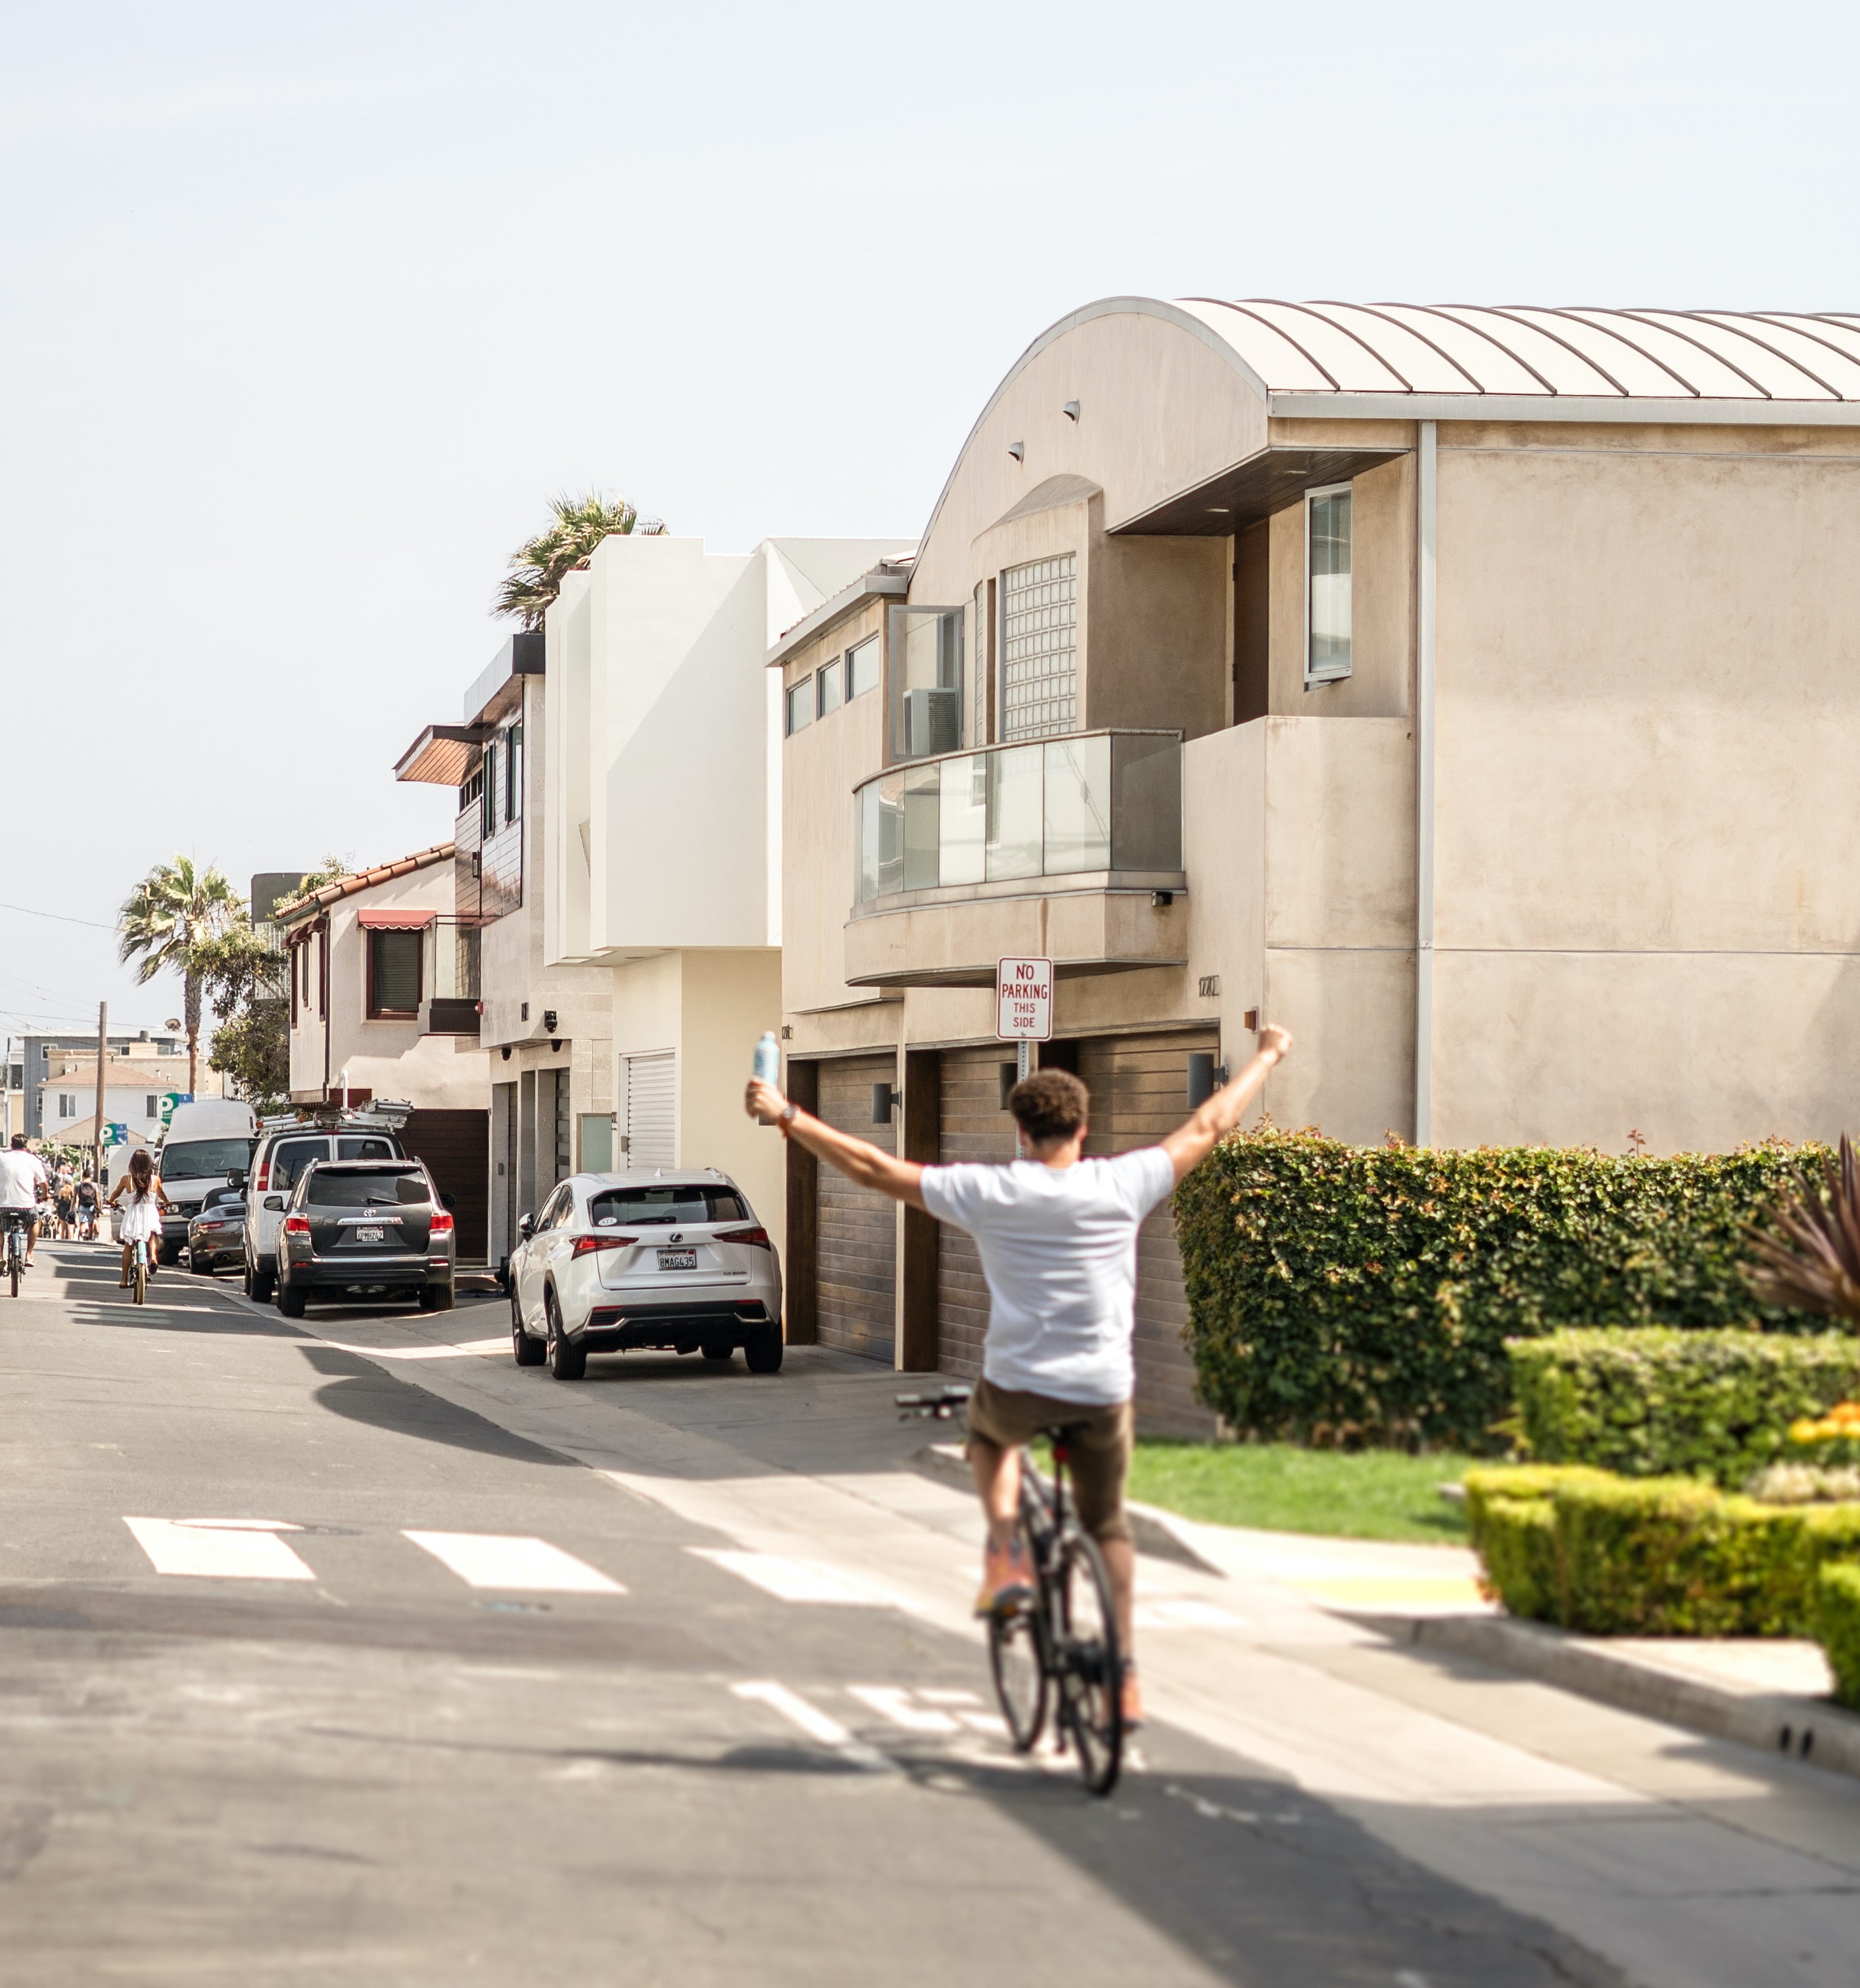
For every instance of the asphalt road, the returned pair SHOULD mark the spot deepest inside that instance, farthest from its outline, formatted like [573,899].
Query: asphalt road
[308,1675]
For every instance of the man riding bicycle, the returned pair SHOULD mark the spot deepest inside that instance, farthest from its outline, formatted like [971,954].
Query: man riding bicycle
[22,1179]
[1057,1237]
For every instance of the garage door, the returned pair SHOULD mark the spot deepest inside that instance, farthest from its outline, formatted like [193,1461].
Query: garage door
[1139,1091]
[652,1125]
[973,1126]
[857,1254]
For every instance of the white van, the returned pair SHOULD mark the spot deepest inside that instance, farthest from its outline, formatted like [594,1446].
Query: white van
[205,1145]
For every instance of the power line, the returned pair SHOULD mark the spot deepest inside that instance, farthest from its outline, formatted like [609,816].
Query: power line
[26,910]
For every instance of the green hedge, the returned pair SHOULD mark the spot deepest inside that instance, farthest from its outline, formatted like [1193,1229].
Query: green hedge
[1659,1402]
[1652,1557]
[1363,1295]
[1836,1626]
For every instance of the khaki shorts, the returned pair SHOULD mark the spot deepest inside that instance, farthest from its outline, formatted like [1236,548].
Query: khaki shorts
[1097,1446]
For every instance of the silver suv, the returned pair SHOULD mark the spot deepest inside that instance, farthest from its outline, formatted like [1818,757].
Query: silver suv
[278,1162]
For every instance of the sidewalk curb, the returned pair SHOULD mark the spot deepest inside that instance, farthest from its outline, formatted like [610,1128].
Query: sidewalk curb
[1811,1729]
[1154,1530]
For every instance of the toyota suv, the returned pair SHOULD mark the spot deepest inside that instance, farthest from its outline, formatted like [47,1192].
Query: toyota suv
[284,1149]
[356,1227]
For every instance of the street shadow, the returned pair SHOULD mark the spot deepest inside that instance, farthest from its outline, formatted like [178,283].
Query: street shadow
[151,1317]
[359,1392]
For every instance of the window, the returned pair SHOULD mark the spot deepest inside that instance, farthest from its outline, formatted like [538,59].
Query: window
[663,1207]
[513,774]
[201,1159]
[1040,648]
[288,1159]
[977,674]
[488,818]
[800,706]
[862,668]
[151,1106]
[355,1148]
[336,1187]
[1326,600]
[67,1105]
[828,686]
[394,975]
[926,682]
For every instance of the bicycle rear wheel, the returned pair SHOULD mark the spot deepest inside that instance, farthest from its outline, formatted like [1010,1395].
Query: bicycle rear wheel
[1088,1664]
[12,1264]
[1017,1654]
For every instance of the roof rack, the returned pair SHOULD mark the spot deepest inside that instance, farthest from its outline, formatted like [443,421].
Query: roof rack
[387,1114]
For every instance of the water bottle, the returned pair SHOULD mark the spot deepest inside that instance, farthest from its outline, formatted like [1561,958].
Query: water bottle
[768,1058]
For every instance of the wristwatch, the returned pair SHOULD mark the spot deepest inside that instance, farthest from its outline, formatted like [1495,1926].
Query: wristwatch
[786,1118]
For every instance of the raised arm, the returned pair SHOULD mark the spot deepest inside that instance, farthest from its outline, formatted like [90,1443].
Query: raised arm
[1196,1138]
[858,1159]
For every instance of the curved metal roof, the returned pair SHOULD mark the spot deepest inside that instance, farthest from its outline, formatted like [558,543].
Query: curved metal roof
[1530,350]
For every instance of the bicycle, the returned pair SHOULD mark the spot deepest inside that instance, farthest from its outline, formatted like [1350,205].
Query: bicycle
[17,1221]
[1058,1656]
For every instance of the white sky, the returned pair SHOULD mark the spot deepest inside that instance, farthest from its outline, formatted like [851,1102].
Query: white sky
[307,310]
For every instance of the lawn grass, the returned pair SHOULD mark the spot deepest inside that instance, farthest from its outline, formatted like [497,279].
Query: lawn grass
[1364,1495]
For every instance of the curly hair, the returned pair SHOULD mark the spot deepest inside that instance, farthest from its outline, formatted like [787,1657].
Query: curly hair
[1049,1104]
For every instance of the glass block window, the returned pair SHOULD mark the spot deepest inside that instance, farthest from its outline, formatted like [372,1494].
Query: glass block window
[1040,648]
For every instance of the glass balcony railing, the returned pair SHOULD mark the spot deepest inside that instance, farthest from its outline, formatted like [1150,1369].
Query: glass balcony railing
[452,960]
[1092,801]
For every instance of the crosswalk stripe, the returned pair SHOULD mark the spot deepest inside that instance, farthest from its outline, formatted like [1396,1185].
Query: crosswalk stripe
[817,1724]
[514,1560]
[798,1580]
[229,1552]
[890,1702]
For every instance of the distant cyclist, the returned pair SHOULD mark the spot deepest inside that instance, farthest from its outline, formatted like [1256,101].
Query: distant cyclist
[142,1218]
[1057,1237]
[23,1179]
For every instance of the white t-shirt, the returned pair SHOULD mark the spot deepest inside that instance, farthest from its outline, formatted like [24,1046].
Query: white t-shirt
[20,1175]
[1059,1249]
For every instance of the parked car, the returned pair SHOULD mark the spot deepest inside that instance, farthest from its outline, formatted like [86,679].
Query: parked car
[206,1148]
[216,1233]
[282,1153]
[354,1227]
[676,1261]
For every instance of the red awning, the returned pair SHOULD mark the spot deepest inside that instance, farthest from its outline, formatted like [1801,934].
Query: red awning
[400,918]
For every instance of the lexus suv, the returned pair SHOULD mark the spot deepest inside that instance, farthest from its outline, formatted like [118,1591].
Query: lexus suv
[365,1226]
[676,1261]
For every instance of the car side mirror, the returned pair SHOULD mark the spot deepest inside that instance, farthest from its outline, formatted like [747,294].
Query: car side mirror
[274,1201]
[525,1226]
[235,1177]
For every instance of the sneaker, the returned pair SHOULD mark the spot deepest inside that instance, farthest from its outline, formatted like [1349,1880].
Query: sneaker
[1007,1581]
[1132,1693]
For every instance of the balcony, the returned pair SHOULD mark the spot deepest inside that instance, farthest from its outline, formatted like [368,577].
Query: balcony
[451,977]
[1067,848]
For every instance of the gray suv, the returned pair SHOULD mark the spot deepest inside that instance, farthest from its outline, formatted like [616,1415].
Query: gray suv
[365,1227]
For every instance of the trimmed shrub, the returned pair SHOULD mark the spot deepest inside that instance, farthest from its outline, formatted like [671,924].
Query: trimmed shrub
[1837,1627]
[1363,1295]
[1652,1557]
[1658,1402]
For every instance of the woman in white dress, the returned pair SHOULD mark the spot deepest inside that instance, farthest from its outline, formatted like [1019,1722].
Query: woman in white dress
[142,1217]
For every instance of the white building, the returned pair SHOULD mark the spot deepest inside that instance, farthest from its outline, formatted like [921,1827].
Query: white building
[662,824]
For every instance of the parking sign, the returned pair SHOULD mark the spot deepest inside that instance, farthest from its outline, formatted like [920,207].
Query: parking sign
[1023,1000]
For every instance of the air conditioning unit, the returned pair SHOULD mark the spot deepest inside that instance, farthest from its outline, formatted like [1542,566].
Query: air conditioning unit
[933,722]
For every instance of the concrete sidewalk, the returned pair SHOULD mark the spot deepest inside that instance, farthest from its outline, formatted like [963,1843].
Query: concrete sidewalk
[1688,1862]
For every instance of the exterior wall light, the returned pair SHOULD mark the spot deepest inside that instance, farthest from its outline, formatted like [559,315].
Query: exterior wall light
[1070,411]
[1018,451]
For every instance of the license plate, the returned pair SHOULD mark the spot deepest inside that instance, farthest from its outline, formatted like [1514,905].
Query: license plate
[678,1260]
[371,1235]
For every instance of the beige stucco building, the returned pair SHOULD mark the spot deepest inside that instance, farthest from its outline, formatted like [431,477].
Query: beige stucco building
[1468,691]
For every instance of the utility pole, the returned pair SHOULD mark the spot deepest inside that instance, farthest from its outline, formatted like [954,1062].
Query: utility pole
[96,1129]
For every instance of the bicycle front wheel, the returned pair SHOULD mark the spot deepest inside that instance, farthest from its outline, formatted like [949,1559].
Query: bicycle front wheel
[141,1278]
[1089,1665]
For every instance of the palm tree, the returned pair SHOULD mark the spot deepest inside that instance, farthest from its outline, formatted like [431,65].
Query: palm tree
[538,565]
[170,917]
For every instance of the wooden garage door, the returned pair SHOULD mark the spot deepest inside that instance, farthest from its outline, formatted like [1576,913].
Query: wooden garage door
[455,1146]
[858,1256]
[1139,1091]
[973,1126]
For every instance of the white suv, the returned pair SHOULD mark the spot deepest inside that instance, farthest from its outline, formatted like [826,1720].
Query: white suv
[280,1156]
[677,1261]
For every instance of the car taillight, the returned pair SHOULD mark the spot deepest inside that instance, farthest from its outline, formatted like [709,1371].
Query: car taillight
[586,1245]
[441,1223]
[264,1179]
[758,1236]
[297,1224]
